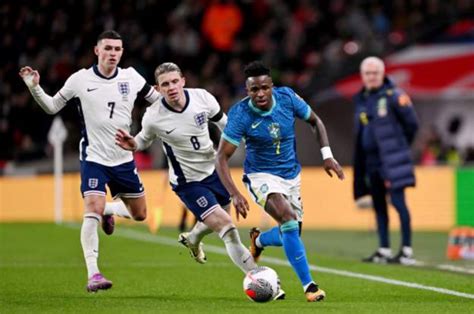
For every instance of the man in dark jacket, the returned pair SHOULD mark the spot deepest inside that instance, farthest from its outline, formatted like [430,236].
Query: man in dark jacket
[385,126]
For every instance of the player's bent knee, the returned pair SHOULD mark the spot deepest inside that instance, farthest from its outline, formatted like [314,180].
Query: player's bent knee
[226,208]
[224,219]
[218,220]
[93,208]
[225,229]
[138,212]
[137,207]
[94,204]
[288,216]
[279,208]
[139,216]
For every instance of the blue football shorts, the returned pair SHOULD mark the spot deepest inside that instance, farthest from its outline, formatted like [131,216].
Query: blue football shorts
[122,180]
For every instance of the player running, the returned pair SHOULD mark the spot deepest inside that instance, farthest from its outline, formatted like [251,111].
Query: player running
[105,96]
[265,120]
[180,119]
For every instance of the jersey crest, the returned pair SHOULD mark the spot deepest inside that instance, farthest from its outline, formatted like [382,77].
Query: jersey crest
[124,89]
[200,119]
[382,107]
[274,129]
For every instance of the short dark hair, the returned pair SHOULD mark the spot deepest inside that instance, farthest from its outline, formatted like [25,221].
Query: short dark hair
[110,34]
[256,68]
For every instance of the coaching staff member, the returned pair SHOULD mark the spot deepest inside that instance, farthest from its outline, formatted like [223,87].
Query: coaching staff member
[385,126]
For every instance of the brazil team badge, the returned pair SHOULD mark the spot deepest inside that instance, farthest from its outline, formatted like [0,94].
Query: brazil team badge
[382,107]
[274,129]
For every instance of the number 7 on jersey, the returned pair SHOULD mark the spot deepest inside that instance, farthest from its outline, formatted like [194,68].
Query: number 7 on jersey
[112,106]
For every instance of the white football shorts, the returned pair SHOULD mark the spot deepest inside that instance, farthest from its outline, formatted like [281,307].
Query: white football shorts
[261,184]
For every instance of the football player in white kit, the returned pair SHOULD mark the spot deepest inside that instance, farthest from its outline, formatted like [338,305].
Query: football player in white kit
[105,96]
[180,119]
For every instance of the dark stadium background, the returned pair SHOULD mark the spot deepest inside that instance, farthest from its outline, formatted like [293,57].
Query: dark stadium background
[315,47]
[310,45]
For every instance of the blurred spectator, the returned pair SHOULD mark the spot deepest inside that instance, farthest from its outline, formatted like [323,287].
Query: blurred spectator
[453,158]
[221,22]
[469,156]
[309,44]
[432,148]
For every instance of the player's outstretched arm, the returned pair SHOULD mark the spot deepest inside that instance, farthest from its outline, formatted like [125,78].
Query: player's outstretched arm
[30,77]
[330,164]
[225,151]
[125,140]
[50,105]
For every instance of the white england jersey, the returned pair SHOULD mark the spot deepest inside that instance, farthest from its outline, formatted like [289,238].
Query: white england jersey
[105,104]
[185,135]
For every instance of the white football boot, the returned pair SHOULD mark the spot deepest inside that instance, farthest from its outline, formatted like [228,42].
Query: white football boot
[195,250]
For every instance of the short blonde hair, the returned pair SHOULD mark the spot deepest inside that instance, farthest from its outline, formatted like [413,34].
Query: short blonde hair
[166,68]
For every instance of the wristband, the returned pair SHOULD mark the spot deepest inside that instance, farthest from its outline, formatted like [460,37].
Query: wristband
[326,152]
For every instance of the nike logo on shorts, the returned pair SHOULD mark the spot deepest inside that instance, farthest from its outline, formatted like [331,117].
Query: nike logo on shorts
[92,89]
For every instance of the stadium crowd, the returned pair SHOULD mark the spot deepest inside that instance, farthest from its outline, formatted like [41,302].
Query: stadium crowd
[310,44]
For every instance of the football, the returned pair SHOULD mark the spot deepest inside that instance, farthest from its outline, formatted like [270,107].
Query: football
[261,284]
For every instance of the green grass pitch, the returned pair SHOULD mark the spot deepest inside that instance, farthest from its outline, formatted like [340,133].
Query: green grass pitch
[42,270]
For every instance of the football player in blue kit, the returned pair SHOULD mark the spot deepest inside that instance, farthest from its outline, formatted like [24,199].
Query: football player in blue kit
[265,121]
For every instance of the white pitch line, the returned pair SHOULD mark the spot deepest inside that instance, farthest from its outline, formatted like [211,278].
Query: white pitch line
[448,267]
[456,269]
[136,235]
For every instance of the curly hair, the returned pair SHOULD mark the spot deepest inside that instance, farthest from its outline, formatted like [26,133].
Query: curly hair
[256,68]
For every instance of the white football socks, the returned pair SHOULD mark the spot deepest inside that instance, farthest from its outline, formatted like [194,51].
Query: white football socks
[408,251]
[90,242]
[199,231]
[237,252]
[117,209]
[385,251]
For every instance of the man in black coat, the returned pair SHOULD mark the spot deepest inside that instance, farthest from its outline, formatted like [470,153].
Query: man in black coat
[385,126]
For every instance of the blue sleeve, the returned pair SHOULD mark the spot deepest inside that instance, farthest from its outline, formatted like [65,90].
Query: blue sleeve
[234,130]
[301,108]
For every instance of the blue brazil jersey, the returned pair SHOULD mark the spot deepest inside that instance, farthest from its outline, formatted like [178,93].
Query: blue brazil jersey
[269,135]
